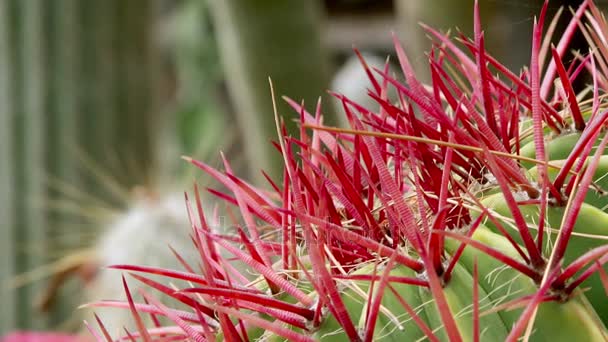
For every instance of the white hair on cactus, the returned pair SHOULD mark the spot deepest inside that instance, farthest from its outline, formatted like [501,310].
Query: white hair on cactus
[141,236]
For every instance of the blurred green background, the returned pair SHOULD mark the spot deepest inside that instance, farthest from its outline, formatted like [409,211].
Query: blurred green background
[98,97]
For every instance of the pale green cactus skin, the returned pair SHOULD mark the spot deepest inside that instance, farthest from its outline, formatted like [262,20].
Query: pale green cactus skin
[498,285]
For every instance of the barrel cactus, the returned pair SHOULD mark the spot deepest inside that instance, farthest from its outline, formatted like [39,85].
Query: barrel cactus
[468,209]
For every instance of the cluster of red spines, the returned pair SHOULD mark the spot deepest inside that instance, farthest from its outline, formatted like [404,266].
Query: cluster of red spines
[392,186]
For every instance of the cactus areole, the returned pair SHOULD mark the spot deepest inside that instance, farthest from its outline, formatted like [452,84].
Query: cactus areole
[471,208]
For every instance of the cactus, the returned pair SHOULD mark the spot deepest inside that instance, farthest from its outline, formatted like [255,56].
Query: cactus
[156,221]
[423,220]
[78,77]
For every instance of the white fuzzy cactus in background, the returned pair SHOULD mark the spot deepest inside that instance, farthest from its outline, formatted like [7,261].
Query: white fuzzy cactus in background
[142,236]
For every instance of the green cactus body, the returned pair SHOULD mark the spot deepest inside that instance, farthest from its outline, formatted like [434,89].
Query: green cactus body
[592,220]
[596,198]
[498,285]
[590,231]
[458,292]
[557,148]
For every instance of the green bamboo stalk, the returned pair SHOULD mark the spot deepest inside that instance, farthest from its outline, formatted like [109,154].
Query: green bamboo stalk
[31,145]
[7,191]
[62,127]
[280,39]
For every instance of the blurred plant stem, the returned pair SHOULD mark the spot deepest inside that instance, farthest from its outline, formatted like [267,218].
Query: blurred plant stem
[280,39]
[78,80]
[200,101]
